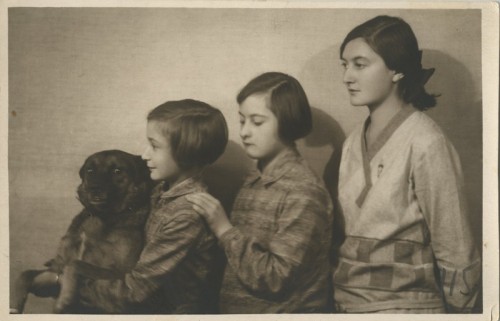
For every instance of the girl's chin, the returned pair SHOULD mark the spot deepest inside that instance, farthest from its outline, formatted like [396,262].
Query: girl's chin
[356,103]
[253,155]
[156,177]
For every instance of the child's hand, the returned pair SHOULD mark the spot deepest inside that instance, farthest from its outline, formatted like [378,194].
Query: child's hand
[212,211]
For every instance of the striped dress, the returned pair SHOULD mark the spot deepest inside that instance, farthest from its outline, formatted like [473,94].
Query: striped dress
[173,271]
[278,249]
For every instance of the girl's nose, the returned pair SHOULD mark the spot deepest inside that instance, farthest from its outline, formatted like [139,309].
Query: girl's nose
[244,131]
[145,154]
[348,76]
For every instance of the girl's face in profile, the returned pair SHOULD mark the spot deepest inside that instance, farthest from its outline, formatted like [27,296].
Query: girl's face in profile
[368,80]
[158,155]
[259,128]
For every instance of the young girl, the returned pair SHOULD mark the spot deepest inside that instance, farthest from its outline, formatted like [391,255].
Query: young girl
[172,273]
[408,246]
[278,240]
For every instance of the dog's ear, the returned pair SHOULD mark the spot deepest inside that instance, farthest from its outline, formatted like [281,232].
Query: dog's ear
[82,169]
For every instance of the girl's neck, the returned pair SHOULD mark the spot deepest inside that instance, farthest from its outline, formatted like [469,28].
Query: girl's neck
[262,164]
[182,177]
[380,116]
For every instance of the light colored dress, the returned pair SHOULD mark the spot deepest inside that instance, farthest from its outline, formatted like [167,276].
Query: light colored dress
[408,242]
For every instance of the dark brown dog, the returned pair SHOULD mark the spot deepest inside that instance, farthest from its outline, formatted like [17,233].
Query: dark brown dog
[107,233]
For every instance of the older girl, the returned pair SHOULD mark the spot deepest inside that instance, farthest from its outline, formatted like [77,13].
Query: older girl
[278,239]
[400,186]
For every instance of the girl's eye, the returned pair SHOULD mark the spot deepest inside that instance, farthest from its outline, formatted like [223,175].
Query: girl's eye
[344,65]
[257,121]
[360,66]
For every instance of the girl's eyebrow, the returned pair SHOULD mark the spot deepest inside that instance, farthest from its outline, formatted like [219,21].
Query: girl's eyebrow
[151,139]
[258,115]
[360,57]
[355,58]
[253,115]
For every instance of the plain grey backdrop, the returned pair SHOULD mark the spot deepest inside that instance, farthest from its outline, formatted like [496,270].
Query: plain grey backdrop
[82,80]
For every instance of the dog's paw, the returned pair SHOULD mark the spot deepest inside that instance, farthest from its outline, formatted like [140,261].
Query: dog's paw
[67,295]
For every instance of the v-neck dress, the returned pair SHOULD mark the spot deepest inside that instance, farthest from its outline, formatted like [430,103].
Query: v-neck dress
[408,241]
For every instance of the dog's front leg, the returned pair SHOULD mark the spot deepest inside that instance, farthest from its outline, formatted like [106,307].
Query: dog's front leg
[69,281]
[69,287]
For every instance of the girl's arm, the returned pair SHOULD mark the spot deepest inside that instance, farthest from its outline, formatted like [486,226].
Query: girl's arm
[159,257]
[304,228]
[439,189]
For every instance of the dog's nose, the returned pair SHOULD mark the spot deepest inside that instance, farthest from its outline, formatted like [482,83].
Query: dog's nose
[96,188]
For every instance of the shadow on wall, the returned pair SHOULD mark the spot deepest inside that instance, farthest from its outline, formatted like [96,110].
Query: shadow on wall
[225,177]
[327,132]
[321,75]
[459,113]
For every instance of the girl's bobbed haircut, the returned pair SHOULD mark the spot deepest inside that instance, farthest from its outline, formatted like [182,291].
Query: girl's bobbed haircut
[287,101]
[393,39]
[197,131]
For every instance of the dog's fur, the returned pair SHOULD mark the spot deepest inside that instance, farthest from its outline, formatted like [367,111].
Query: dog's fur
[107,233]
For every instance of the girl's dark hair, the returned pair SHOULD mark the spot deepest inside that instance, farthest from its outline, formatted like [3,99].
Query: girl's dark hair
[393,39]
[288,102]
[196,130]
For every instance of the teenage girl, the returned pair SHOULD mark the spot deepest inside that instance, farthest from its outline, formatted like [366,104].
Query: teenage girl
[408,246]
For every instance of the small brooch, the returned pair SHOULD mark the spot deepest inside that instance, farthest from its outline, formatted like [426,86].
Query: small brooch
[380,169]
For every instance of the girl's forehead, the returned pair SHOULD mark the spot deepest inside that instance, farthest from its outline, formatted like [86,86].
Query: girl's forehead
[154,126]
[256,104]
[157,129]
[358,48]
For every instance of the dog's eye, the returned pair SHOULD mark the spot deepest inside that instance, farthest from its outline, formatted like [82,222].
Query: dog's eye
[90,170]
[117,171]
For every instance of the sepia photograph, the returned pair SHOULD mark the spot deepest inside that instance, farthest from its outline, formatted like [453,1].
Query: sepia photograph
[239,160]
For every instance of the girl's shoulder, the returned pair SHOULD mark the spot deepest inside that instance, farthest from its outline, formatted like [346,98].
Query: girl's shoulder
[301,177]
[173,205]
[174,211]
[425,131]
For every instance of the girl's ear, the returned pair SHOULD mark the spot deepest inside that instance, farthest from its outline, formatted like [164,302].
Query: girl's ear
[397,77]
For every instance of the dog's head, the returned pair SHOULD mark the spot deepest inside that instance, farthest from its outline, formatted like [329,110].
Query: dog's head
[113,181]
